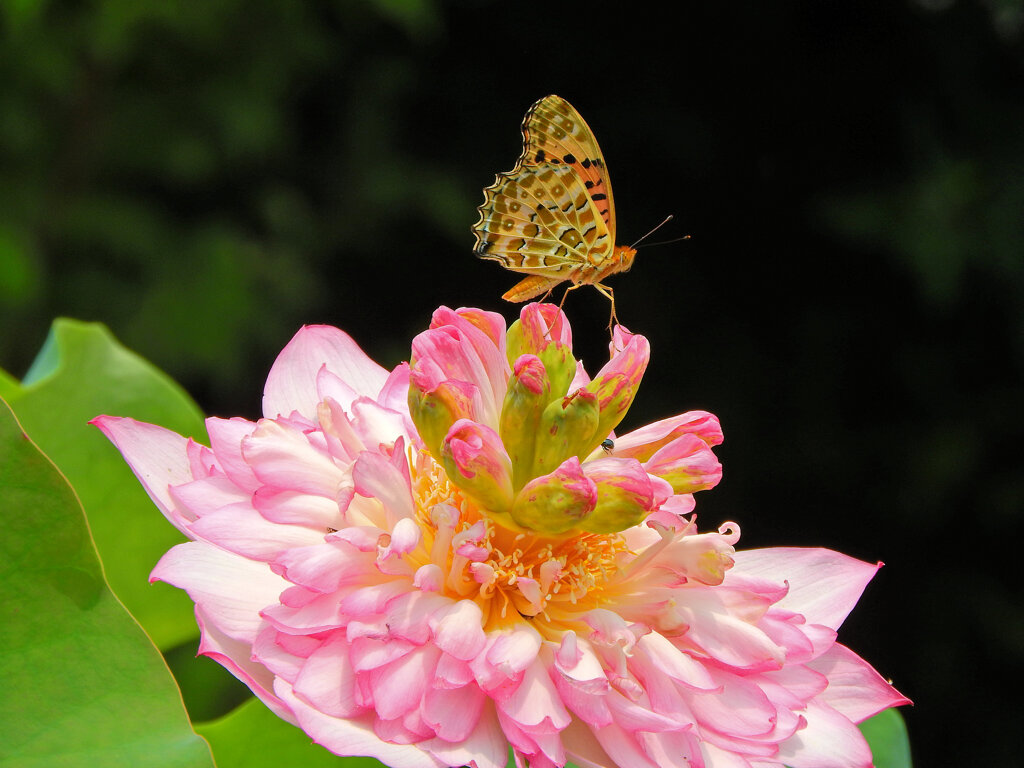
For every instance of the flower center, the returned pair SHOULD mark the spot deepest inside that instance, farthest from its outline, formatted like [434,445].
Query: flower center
[513,576]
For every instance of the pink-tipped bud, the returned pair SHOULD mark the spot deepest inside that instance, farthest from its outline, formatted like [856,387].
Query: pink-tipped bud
[475,461]
[528,393]
[436,405]
[626,494]
[642,443]
[567,428]
[616,384]
[538,326]
[555,503]
[687,463]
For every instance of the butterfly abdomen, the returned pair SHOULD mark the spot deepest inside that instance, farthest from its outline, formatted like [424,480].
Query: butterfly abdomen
[529,288]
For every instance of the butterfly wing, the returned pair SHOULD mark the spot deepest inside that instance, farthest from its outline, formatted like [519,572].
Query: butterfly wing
[554,132]
[541,221]
[542,218]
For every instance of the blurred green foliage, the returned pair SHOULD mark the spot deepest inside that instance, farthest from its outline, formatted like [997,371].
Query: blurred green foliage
[206,177]
[185,171]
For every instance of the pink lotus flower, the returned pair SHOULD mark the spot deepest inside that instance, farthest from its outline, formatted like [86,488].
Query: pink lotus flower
[428,565]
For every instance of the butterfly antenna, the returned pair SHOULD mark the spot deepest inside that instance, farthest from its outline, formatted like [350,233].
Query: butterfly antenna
[662,224]
[666,242]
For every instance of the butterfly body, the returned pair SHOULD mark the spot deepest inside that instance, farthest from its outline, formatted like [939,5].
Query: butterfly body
[552,217]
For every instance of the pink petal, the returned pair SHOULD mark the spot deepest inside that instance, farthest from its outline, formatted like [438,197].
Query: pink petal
[459,630]
[635,717]
[376,424]
[577,662]
[453,712]
[353,736]
[323,567]
[623,748]
[312,613]
[485,747]
[230,589]
[283,654]
[679,666]
[241,529]
[491,324]
[824,585]
[157,456]
[291,384]
[408,616]
[535,700]
[330,385]
[678,749]
[582,748]
[729,638]
[326,681]
[297,508]
[374,598]
[369,653]
[855,689]
[398,687]
[829,741]
[234,656]
[394,395]
[715,757]
[197,498]
[514,650]
[616,383]
[739,709]
[377,478]
[283,457]
[226,437]
[342,440]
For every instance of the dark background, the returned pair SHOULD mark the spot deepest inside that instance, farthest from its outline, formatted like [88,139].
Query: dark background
[206,177]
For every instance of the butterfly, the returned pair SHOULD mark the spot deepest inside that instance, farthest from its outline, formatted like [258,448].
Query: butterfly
[552,216]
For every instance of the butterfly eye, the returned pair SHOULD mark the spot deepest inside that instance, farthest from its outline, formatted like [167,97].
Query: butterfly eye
[608,445]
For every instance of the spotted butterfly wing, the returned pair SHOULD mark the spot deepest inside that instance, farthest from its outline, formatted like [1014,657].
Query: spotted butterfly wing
[555,133]
[552,216]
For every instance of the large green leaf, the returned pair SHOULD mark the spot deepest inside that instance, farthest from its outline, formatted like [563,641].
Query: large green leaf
[83,686]
[887,734]
[82,372]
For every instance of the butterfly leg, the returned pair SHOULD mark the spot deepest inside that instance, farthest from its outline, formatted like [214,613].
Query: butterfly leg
[547,335]
[604,290]
[570,287]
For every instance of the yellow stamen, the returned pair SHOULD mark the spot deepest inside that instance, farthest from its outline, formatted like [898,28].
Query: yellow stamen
[523,576]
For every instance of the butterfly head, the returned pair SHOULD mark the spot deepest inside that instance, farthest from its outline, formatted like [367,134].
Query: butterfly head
[623,257]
